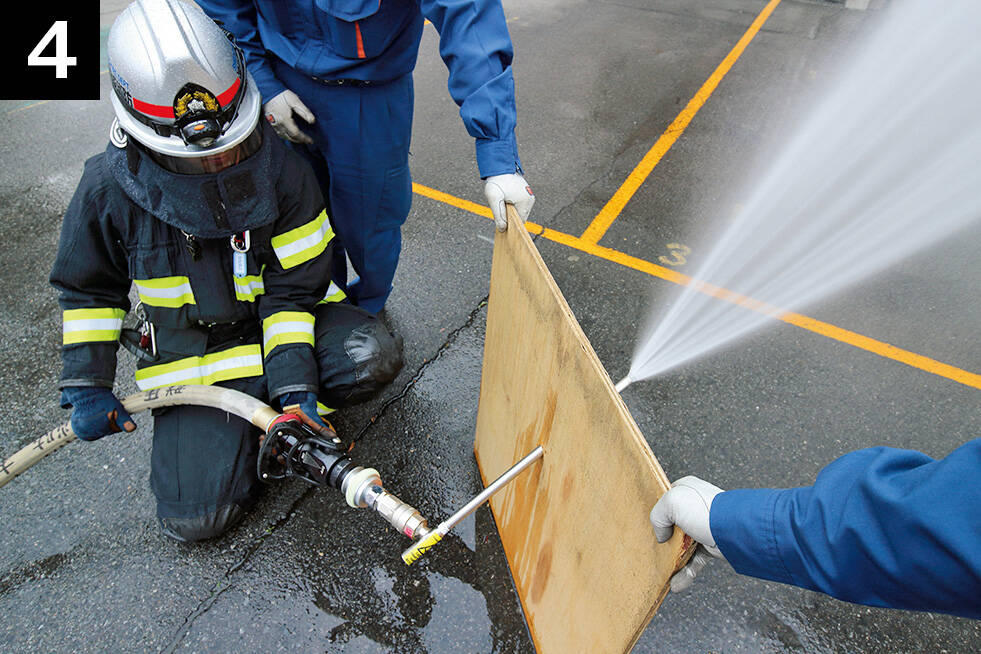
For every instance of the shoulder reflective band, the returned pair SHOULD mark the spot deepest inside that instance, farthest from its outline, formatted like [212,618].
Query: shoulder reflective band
[233,363]
[248,288]
[170,292]
[284,327]
[303,243]
[91,325]
[334,294]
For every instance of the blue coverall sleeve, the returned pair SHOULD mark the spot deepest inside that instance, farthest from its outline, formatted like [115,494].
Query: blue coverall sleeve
[880,527]
[239,17]
[475,45]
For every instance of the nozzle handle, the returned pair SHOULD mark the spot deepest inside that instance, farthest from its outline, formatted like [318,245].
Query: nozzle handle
[421,546]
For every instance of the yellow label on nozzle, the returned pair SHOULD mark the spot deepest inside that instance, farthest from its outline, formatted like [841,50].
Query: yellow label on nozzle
[412,554]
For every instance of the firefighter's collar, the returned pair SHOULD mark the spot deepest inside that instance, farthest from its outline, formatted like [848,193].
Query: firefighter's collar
[237,199]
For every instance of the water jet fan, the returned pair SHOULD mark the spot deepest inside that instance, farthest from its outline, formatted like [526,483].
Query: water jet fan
[884,166]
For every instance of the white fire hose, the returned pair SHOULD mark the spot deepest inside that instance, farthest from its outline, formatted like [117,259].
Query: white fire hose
[244,406]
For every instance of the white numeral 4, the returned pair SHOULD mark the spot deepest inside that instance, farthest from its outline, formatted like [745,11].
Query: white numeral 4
[61,61]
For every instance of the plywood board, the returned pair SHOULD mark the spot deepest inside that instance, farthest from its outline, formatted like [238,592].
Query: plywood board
[586,565]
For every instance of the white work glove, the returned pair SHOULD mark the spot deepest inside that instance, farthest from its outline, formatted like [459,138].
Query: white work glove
[510,189]
[687,504]
[279,112]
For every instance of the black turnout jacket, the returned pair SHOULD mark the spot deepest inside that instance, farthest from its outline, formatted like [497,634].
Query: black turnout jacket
[170,245]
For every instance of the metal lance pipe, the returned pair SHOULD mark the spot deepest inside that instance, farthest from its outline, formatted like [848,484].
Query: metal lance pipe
[431,538]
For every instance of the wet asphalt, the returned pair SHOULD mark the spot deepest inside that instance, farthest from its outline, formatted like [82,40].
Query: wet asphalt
[83,567]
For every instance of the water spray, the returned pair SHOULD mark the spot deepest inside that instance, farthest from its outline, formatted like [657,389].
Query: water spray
[292,446]
[623,383]
[859,185]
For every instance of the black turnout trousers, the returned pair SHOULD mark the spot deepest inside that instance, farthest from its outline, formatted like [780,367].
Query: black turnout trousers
[203,463]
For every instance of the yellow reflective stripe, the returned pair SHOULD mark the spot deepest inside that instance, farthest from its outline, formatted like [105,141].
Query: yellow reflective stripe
[248,288]
[233,363]
[172,292]
[334,294]
[323,409]
[91,325]
[285,327]
[303,243]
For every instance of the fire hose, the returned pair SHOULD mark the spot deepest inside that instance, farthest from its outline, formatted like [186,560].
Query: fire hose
[289,449]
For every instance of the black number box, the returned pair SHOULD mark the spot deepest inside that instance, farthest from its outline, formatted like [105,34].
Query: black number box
[52,52]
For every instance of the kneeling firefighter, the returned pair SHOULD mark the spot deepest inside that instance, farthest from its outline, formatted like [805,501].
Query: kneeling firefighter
[224,234]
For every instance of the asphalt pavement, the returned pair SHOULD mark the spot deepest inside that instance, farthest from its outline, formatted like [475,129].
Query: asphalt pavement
[83,567]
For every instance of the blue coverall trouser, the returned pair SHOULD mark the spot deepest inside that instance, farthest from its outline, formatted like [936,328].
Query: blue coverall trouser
[361,157]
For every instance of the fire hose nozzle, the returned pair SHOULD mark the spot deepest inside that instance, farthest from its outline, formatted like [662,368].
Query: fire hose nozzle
[363,489]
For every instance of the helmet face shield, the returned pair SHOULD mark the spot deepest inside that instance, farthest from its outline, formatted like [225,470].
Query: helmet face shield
[180,85]
[211,163]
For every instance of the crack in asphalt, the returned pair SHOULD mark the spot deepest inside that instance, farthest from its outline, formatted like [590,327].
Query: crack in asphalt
[221,587]
[201,609]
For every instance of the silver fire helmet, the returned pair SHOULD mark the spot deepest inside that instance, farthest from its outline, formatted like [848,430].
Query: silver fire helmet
[180,86]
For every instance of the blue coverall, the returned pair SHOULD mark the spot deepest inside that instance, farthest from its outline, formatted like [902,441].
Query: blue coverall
[880,526]
[350,62]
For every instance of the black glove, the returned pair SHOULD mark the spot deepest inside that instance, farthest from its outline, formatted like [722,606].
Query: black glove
[97,412]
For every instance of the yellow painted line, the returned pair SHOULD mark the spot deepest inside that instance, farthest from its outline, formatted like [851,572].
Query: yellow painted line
[28,106]
[804,322]
[601,223]
[41,102]
[452,200]
[466,205]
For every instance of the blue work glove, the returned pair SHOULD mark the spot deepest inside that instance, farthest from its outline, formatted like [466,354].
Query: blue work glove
[97,412]
[307,403]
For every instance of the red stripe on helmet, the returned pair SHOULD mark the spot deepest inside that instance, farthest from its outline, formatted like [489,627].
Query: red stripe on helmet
[229,94]
[162,111]
[158,110]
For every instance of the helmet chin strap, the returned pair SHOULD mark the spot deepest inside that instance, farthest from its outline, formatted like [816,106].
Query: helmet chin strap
[117,136]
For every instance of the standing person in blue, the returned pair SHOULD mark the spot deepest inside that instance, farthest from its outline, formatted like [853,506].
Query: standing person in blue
[223,232]
[336,81]
[880,526]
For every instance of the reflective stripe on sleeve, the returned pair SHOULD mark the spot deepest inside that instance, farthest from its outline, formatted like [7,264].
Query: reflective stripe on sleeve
[233,363]
[303,243]
[91,325]
[172,292]
[284,327]
[334,294]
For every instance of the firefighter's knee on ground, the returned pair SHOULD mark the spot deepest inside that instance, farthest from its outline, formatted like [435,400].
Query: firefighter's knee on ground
[203,527]
[356,353]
